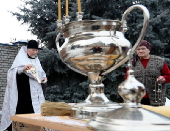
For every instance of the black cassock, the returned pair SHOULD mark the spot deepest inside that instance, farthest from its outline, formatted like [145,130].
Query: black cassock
[24,104]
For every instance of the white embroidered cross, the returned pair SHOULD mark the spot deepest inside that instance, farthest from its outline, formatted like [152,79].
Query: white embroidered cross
[32,70]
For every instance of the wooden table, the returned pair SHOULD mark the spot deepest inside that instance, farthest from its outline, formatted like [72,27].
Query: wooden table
[36,122]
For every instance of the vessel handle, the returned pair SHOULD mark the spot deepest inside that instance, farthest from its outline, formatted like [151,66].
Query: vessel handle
[145,22]
[141,36]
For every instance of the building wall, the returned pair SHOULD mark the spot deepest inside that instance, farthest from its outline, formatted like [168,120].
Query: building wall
[7,55]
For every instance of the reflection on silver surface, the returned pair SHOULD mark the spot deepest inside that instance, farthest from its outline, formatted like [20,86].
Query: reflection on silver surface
[130,117]
[88,111]
[131,90]
[94,48]
[95,102]
[66,19]
[79,16]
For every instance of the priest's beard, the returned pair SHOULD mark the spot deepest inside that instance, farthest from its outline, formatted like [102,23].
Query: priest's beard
[33,56]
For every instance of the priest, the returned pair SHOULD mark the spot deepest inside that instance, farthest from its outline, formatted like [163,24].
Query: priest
[23,92]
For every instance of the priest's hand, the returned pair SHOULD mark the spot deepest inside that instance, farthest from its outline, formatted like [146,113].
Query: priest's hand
[44,80]
[27,67]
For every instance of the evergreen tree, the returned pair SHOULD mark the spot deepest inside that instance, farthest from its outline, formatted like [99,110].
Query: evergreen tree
[41,17]
[63,83]
[66,84]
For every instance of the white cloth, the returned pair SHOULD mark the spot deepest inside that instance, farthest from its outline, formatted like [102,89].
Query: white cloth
[11,93]
[167,103]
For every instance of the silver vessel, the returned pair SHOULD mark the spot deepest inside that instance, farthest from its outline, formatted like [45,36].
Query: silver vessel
[94,48]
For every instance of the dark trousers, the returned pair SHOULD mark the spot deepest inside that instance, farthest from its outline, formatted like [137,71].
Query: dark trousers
[9,128]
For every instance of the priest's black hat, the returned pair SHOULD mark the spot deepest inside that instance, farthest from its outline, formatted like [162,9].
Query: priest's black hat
[32,44]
